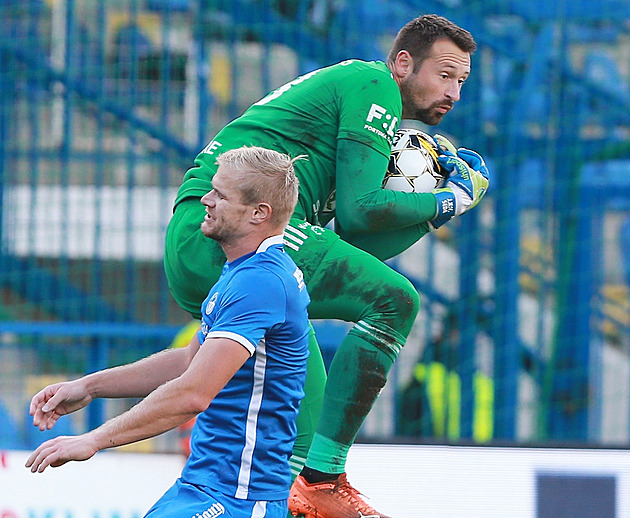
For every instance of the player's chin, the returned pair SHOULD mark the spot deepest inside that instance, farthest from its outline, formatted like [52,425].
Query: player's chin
[206,229]
[436,117]
[431,117]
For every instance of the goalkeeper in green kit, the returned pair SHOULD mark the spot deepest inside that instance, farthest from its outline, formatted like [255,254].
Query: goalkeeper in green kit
[343,117]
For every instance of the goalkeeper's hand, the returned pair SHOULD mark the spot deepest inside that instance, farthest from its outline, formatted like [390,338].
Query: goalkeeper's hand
[466,184]
[443,144]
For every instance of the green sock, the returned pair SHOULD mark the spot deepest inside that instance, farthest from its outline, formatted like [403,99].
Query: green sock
[327,455]
[357,374]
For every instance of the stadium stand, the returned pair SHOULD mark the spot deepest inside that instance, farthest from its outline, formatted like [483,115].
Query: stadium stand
[106,104]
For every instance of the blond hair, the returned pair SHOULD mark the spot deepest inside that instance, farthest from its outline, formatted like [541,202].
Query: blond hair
[265,176]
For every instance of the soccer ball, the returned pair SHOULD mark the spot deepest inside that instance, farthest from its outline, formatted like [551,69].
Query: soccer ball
[413,165]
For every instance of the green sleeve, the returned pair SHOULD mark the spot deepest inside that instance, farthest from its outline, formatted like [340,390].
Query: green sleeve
[362,205]
[388,243]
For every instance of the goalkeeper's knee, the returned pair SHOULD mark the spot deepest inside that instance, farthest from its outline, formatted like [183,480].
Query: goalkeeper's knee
[391,315]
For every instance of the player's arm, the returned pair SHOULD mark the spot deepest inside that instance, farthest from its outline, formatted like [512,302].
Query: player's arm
[362,205]
[133,380]
[140,378]
[167,407]
[387,243]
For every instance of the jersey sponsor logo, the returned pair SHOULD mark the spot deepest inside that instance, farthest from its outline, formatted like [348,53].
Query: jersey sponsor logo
[316,207]
[328,208]
[211,303]
[212,147]
[380,122]
[317,230]
[448,205]
[213,511]
[299,277]
[331,202]
[204,329]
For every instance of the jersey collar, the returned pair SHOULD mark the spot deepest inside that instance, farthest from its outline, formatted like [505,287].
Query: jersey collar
[270,241]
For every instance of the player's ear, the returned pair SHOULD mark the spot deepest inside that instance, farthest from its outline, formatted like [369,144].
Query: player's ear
[403,64]
[261,213]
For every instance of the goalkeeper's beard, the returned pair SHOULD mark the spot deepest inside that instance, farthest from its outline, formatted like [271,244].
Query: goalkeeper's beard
[431,115]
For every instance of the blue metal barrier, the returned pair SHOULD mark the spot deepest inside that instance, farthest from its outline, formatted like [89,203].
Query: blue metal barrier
[101,339]
[526,105]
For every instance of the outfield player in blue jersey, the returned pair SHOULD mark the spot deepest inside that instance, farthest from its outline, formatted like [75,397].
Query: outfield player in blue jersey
[243,372]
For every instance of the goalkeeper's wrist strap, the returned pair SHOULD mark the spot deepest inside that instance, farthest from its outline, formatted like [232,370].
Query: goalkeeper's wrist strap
[445,207]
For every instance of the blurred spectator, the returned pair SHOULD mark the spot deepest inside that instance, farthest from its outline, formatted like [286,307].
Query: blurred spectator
[430,404]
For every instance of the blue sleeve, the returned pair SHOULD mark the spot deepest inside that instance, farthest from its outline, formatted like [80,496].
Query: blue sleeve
[254,301]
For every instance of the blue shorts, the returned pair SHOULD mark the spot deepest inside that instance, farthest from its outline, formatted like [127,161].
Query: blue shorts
[185,500]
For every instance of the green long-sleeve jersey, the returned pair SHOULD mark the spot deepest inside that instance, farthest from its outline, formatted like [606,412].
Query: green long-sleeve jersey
[343,118]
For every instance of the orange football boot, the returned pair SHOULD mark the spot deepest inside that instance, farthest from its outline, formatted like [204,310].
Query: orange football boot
[336,499]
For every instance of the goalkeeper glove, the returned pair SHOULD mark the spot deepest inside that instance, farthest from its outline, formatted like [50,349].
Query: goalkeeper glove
[467,183]
[443,144]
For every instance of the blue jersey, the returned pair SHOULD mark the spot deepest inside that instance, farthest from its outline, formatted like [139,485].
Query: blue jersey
[242,443]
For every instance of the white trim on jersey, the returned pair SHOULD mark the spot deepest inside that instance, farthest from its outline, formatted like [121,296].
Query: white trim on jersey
[291,245]
[294,238]
[296,234]
[253,410]
[233,336]
[270,241]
